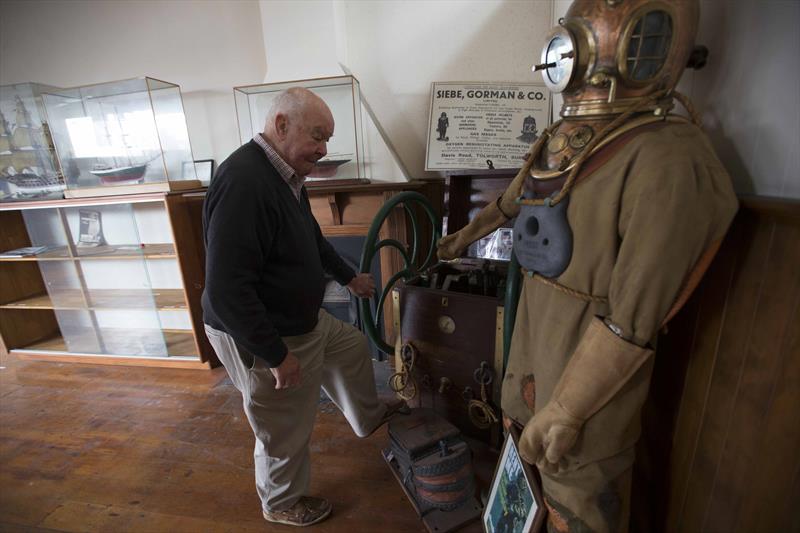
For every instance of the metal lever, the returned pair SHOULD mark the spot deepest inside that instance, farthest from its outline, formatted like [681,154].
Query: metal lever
[543,66]
[565,55]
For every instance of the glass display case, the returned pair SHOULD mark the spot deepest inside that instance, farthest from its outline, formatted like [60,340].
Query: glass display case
[28,166]
[121,137]
[115,278]
[345,159]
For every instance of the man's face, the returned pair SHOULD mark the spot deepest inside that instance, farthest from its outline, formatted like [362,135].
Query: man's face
[303,140]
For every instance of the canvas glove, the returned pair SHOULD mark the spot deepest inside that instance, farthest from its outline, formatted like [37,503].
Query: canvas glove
[486,221]
[491,217]
[599,368]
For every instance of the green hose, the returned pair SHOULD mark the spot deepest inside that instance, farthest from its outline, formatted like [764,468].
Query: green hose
[410,270]
[373,245]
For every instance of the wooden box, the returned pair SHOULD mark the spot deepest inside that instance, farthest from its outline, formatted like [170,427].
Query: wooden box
[458,342]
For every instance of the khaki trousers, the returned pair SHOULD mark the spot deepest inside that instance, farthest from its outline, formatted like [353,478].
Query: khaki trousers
[333,356]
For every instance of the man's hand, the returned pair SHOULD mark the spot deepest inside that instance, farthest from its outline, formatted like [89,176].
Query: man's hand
[287,374]
[548,436]
[362,285]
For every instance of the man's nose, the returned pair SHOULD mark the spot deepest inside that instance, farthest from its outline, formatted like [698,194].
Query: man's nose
[323,149]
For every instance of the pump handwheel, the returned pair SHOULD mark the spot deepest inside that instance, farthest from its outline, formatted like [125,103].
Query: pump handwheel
[411,266]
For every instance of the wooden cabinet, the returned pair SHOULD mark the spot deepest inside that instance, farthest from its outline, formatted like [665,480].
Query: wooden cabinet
[458,343]
[116,280]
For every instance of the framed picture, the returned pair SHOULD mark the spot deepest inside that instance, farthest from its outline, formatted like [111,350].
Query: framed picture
[203,168]
[484,125]
[90,228]
[515,502]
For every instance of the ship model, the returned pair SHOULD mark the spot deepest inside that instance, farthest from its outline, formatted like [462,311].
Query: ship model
[117,173]
[27,171]
[329,166]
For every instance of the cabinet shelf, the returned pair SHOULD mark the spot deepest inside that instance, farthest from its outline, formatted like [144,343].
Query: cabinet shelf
[120,251]
[180,343]
[162,299]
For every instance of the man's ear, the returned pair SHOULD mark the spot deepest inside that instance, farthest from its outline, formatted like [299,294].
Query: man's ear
[281,125]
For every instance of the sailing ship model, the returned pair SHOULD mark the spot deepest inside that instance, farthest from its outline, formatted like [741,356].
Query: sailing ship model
[127,173]
[329,166]
[27,170]
[120,175]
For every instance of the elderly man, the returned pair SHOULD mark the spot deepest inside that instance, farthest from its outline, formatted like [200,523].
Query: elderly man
[265,258]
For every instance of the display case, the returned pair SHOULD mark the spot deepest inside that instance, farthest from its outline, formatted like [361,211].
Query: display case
[345,159]
[112,279]
[121,137]
[28,166]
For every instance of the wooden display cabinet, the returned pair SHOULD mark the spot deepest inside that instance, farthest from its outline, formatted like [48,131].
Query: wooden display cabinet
[119,283]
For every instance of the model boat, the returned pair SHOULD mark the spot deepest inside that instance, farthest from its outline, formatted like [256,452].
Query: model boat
[26,168]
[326,168]
[33,185]
[124,175]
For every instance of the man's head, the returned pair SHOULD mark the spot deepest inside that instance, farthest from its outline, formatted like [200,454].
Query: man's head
[298,126]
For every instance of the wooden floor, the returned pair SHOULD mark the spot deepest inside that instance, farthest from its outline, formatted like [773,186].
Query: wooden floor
[112,448]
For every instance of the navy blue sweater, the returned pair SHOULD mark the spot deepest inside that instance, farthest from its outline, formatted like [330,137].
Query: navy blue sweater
[265,256]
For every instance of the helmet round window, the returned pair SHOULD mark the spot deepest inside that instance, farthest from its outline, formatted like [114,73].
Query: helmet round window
[649,44]
[556,48]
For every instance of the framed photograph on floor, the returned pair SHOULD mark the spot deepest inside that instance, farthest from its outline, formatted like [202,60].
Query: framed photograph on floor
[515,502]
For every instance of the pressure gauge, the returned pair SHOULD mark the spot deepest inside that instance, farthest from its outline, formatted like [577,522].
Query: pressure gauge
[558,59]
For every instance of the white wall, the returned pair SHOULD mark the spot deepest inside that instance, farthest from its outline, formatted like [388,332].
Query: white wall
[749,92]
[396,49]
[205,46]
[299,39]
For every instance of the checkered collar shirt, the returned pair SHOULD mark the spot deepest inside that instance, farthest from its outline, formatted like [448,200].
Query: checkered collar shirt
[288,174]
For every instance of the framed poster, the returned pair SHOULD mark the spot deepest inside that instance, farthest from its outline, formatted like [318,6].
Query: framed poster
[515,502]
[481,125]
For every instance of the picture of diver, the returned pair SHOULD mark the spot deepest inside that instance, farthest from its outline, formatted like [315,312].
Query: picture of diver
[513,516]
[529,131]
[511,507]
[441,127]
